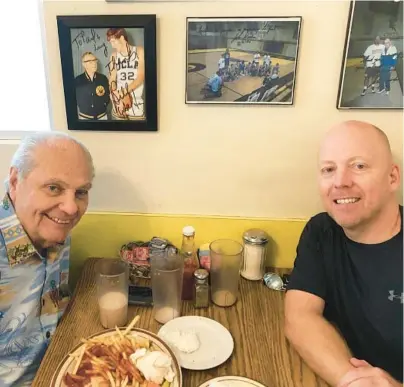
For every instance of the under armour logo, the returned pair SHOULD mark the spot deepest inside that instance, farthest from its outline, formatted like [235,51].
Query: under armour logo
[392,296]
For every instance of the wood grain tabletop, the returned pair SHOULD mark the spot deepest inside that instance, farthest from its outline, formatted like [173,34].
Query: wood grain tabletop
[261,351]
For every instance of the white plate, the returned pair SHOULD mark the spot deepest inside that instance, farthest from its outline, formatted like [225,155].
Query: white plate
[67,364]
[231,381]
[216,342]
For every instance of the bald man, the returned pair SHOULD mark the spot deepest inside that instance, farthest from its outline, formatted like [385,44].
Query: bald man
[344,302]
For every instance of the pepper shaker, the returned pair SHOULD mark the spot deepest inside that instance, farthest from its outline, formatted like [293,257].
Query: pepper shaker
[255,248]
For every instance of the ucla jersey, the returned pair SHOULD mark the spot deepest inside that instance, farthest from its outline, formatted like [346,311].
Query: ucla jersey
[126,72]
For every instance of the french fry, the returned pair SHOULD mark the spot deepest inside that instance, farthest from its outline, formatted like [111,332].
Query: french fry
[119,332]
[128,343]
[142,342]
[91,372]
[125,382]
[76,367]
[104,375]
[94,340]
[111,379]
[95,359]
[118,348]
[131,325]
[132,341]
[100,369]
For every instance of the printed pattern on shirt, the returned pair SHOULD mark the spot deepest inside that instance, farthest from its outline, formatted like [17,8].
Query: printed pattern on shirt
[33,297]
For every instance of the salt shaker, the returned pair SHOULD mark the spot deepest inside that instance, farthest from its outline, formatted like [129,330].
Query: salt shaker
[255,247]
[201,289]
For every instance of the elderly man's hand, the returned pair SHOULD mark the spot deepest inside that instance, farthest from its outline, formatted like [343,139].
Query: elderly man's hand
[365,375]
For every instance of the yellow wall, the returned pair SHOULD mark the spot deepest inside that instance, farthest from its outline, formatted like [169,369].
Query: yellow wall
[226,161]
[102,234]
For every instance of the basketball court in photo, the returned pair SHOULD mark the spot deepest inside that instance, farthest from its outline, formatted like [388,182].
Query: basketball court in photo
[202,64]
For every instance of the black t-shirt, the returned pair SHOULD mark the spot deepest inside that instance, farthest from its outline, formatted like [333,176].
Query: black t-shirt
[92,95]
[362,286]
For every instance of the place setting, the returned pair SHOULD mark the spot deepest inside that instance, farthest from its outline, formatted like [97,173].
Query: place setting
[123,355]
[200,343]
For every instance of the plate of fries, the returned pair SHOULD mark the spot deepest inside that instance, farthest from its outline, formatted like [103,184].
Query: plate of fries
[104,360]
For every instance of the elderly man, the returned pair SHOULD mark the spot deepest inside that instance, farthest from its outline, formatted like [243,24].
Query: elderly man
[47,194]
[388,61]
[344,303]
[92,90]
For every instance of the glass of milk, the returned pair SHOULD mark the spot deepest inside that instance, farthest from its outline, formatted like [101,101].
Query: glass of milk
[112,290]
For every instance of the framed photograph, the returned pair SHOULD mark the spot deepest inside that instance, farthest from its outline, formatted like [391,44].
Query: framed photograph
[109,71]
[372,68]
[242,60]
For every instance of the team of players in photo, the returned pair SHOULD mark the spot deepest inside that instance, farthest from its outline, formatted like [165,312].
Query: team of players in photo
[123,88]
[229,72]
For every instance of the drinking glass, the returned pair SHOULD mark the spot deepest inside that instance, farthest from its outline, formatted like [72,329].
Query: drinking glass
[166,275]
[226,258]
[112,290]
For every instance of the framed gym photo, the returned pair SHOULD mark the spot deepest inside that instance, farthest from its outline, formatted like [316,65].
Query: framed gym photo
[242,60]
[109,71]
[372,67]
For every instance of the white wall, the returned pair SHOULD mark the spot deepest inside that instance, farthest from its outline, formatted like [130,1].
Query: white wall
[226,160]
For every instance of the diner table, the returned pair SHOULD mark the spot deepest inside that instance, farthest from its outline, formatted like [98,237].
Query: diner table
[261,351]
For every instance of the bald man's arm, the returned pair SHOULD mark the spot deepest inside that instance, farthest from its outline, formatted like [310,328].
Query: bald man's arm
[314,338]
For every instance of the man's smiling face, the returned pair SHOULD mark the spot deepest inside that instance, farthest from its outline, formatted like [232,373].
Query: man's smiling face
[53,197]
[357,176]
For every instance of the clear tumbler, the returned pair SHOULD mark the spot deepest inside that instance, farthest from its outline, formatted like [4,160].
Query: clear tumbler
[166,275]
[112,288]
[226,258]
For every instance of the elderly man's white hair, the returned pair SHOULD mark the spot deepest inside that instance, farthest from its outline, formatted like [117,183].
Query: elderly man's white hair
[24,159]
